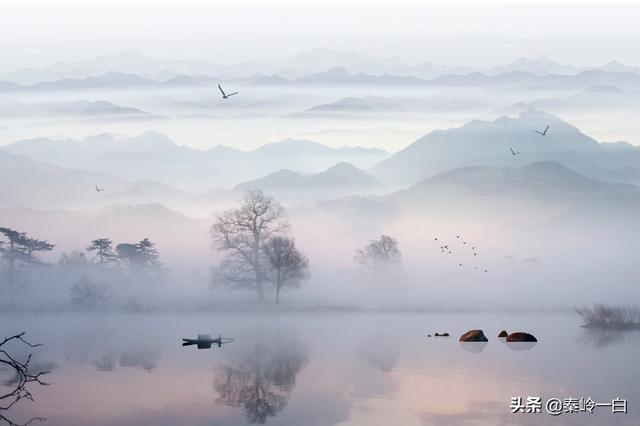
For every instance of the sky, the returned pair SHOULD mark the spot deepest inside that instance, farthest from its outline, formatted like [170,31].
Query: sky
[38,35]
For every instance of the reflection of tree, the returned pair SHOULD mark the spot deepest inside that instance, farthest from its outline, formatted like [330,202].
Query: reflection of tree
[260,380]
[105,362]
[382,356]
[142,358]
[600,337]
[24,374]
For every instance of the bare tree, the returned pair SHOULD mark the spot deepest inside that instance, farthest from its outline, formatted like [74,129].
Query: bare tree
[610,317]
[75,259]
[379,255]
[24,376]
[103,249]
[242,233]
[288,266]
[87,294]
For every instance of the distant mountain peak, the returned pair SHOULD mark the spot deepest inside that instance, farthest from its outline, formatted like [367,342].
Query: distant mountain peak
[344,167]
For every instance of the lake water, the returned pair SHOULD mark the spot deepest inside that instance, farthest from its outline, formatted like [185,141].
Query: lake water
[321,369]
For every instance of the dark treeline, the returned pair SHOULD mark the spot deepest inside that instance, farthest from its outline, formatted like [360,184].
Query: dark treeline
[259,254]
[94,277]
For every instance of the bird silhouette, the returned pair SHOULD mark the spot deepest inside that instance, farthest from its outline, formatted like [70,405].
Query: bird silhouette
[514,153]
[224,95]
[543,133]
[98,189]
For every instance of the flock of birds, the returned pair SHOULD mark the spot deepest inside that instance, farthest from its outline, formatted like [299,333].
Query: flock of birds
[448,249]
[543,133]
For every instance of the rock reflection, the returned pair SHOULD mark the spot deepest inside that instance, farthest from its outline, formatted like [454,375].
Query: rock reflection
[473,347]
[521,346]
[260,378]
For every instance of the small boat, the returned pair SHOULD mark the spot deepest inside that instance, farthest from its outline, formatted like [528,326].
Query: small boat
[204,341]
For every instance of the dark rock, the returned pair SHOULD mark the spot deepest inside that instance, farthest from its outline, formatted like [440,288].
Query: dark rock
[521,337]
[445,335]
[503,333]
[428,335]
[474,336]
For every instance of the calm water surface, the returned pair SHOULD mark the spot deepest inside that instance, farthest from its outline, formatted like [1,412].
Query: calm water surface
[330,369]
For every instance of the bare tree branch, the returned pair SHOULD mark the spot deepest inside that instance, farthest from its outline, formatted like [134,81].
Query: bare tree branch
[23,377]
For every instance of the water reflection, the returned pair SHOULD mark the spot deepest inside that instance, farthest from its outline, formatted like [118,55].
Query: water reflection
[382,356]
[260,377]
[105,362]
[521,346]
[140,358]
[473,347]
[602,337]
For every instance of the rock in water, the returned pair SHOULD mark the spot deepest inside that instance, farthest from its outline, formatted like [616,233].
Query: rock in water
[474,336]
[503,333]
[521,337]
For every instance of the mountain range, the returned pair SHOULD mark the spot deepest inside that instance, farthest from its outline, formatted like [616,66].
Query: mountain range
[340,180]
[11,109]
[152,156]
[483,143]
[312,61]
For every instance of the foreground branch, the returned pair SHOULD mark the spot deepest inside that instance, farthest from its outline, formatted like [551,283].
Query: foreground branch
[23,377]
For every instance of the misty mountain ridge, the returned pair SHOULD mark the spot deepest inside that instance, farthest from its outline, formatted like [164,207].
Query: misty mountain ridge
[340,180]
[73,109]
[152,156]
[535,193]
[593,98]
[109,80]
[305,63]
[482,143]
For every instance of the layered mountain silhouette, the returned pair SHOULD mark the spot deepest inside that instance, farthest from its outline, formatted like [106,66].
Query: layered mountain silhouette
[152,156]
[81,109]
[32,183]
[482,143]
[593,98]
[340,180]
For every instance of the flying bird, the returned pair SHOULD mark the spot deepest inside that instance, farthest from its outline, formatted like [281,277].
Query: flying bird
[514,153]
[98,189]
[543,133]
[224,95]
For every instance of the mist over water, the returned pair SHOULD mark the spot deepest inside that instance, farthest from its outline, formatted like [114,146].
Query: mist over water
[320,369]
[310,234]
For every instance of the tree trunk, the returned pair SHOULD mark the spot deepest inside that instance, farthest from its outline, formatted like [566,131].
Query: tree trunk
[260,289]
